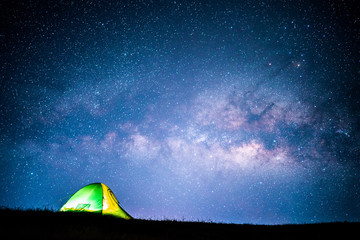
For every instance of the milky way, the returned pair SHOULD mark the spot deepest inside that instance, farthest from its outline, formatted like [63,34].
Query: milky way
[225,111]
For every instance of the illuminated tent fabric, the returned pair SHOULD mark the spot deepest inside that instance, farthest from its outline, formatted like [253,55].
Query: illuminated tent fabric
[97,198]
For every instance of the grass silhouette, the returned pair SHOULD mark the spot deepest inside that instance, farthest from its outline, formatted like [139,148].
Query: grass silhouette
[46,224]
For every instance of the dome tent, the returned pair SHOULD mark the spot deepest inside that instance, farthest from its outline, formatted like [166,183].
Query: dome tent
[97,198]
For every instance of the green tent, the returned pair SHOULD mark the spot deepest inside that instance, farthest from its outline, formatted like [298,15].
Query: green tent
[97,198]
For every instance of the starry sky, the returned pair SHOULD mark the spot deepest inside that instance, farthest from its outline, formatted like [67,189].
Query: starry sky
[224,111]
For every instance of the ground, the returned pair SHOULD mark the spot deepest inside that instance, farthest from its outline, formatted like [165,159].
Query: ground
[40,224]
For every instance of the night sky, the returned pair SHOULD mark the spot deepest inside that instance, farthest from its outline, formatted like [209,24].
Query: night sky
[224,111]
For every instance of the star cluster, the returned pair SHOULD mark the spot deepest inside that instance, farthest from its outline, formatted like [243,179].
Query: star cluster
[229,111]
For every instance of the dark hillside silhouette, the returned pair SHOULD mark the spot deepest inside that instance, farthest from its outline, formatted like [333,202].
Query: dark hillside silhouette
[42,224]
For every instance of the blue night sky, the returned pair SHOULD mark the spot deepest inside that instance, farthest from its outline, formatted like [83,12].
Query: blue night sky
[229,111]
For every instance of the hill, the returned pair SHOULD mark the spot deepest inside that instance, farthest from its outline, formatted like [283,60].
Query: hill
[42,224]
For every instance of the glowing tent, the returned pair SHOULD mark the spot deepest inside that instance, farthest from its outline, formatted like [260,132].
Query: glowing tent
[97,198]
